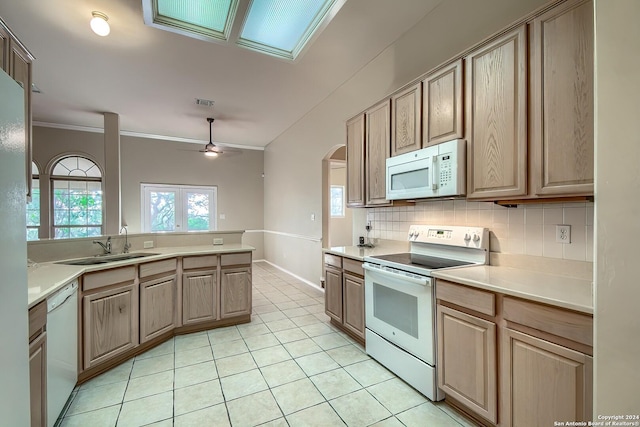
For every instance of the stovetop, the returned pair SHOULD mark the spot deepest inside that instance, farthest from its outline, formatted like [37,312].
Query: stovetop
[420,261]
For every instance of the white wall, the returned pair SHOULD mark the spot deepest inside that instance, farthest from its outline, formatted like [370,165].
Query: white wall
[617,294]
[340,227]
[293,161]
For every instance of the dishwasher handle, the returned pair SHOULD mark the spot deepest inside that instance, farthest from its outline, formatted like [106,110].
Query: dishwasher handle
[60,297]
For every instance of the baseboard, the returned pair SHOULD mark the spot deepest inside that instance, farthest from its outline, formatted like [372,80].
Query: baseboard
[305,281]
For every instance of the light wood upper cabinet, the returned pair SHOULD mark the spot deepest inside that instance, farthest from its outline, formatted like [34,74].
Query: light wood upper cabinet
[562,100]
[442,118]
[377,151]
[199,302]
[355,162]
[157,306]
[4,49]
[333,293]
[496,117]
[235,292]
[544,382]
[407,114]
[110,323]
[353,293]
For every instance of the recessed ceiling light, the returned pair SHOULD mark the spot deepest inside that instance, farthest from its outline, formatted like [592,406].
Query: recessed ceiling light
[99,24]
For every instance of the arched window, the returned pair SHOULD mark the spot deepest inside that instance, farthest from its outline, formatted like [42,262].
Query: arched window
[76,183]
[33,207]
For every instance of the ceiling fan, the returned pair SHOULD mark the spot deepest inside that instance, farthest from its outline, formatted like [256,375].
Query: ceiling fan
[211,149]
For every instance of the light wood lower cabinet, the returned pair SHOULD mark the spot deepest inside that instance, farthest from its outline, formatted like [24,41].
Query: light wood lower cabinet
[333,293]
[344,294]
[467,367]
[235,292]
[157,307]
[199,302]
[544,382]
[353,294]
[110,323]
[541,355]
[38,365]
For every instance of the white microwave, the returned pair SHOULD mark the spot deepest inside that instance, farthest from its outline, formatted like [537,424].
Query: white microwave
[435,171]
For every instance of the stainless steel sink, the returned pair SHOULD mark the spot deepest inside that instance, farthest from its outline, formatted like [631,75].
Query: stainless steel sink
[104,259]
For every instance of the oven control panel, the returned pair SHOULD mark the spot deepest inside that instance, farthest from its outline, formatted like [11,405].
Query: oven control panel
[472,237]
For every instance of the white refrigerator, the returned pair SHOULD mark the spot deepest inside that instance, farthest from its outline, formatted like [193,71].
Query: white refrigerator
[14,330]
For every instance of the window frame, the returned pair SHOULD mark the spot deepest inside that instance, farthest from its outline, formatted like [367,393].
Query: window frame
[51,202]
[343,209]
[181,215]
[35,176]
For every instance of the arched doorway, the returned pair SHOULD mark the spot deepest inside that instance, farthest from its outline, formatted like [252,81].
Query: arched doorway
[337,220]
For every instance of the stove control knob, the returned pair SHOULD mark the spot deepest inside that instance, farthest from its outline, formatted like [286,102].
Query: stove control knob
[467,237]
[476,238]
[416,234]
[411,234]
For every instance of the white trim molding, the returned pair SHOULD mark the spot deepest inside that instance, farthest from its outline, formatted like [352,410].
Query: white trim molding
[305,281]
[281,233]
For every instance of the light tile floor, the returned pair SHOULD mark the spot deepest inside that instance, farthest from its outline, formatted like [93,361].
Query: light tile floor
[288,367]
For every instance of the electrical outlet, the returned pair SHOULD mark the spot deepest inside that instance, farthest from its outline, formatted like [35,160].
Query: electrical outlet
[563,233]
[148,244]
[218,241]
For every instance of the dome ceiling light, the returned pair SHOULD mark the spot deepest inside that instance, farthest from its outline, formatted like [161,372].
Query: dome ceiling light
[99,24]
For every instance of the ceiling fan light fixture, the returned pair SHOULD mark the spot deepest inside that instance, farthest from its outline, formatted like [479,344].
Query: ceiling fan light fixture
[210,150]
[99,23]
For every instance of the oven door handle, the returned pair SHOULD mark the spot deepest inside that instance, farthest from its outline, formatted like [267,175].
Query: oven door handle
[414,279]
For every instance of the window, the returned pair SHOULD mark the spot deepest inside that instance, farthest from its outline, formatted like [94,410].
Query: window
[168,208]
[76,184]
[33,208]
[337,201]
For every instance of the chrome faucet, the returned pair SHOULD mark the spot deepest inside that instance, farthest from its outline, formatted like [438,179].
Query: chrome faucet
[105,246]
[127,245]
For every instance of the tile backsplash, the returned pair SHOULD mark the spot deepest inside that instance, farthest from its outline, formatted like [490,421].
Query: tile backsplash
[527,229]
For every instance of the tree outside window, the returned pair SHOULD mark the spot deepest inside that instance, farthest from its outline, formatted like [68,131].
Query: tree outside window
[337,201]
[170,208]
[33,207]
[77,198]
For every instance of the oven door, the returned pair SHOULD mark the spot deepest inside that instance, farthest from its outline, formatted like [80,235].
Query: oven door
[399,307]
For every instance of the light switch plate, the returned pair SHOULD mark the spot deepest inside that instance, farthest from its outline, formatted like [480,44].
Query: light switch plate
[148,244]
[218,241]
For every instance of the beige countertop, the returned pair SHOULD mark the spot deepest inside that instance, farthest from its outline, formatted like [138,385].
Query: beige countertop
[46,278]
[385,247]
[560,291]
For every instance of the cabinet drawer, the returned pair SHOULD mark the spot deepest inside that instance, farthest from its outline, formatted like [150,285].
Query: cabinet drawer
[108,277]
[243,258]
[464,296]
[353,266]
[333,260]
[157,267]
[566,324]
[37,318]
[199,262]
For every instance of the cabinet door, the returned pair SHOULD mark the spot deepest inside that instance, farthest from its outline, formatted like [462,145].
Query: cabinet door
[157,307]
[20,70]
[442,105]
[235,292]
[4,50]
[562,100]
[543,382]
[467,368]
[377,151]
[355,161]
[38,380]
[333,293]
[199,303]
[407,113]
[496,115]
[353,292]
[110,324]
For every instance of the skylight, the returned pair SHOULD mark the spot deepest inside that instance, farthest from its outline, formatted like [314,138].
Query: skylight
[203,19]
[275,27]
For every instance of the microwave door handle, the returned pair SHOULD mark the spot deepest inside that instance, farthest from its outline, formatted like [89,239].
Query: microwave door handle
[434,184]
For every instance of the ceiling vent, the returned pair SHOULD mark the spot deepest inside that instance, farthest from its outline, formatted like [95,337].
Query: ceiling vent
[204,102]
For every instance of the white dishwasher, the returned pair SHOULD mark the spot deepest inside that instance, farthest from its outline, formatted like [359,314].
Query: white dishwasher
[62,348]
